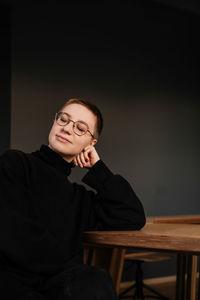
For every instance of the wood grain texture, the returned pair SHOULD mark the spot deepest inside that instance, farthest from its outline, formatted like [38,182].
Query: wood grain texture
[179,219]
[163,237]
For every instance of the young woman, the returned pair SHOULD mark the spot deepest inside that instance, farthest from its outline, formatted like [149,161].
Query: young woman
[43,215]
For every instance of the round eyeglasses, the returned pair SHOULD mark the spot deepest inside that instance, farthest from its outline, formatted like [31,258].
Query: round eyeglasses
[79,127]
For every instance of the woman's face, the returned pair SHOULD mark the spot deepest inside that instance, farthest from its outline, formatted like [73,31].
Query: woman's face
[64,141]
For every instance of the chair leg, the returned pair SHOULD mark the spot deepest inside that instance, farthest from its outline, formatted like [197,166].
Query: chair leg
[139,285]
[159,295]
[139,281]
[123,294]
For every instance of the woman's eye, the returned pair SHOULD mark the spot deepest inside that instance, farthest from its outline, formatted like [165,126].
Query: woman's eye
[81,128]
[63,118]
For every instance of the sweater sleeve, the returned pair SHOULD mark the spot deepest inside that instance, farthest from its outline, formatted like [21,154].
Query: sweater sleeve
[115,206]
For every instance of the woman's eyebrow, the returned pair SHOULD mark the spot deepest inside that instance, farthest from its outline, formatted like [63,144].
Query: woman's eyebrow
[66,113]
[83,122]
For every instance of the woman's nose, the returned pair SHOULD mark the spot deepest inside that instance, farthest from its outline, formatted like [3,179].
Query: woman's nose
[69,127]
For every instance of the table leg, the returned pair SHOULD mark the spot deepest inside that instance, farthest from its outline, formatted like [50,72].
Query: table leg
[116,267]
[198,280]
[191,277]
[180,277]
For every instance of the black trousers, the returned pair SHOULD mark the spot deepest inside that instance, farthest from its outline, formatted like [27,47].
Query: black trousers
[79,283]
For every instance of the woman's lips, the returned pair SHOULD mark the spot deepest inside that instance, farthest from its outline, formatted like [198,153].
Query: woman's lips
[62,139]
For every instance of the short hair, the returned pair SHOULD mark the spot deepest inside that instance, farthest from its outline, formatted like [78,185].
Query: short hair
[93,108]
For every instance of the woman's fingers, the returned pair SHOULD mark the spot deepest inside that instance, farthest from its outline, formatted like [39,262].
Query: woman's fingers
[86,158]
[79,161]
[82,158]
[86,154]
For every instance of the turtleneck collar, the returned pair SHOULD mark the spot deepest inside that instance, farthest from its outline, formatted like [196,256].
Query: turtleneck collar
[54,159]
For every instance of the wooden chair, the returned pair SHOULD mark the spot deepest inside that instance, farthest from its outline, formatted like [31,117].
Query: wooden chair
[112,260]
[139,285]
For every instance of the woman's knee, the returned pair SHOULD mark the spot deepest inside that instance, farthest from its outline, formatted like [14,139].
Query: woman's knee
[91,283]
[101,285]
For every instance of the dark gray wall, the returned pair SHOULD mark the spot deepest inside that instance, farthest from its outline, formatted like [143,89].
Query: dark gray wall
[139,63]
[5,77]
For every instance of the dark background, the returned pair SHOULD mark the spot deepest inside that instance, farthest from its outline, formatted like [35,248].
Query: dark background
[5,76]
[139,62]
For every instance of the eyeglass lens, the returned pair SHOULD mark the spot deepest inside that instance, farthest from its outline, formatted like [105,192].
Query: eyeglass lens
[79,128]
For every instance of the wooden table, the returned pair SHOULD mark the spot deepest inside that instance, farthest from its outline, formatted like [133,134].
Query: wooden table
[182,239]
[181,258]
[176,219]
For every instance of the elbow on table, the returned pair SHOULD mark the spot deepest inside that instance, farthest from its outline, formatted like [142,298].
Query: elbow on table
[135,223]
[138,223]
[142,223]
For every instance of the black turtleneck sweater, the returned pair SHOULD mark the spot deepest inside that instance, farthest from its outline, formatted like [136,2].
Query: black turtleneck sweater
[43,215]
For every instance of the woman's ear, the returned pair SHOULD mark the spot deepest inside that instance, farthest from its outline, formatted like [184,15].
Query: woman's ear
[93,142]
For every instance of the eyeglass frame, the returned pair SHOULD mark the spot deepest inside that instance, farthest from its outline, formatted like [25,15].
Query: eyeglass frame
[74,122]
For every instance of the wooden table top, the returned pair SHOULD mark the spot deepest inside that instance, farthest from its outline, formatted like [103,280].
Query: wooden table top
[153,236]
[182,219]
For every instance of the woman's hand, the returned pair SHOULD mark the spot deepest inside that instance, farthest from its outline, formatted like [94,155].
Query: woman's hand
[87,158]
